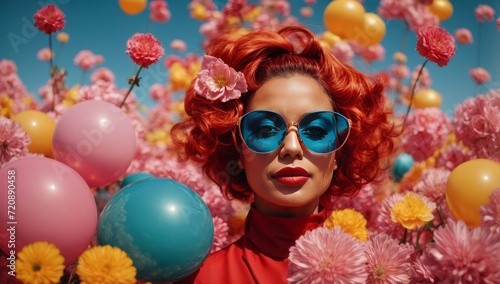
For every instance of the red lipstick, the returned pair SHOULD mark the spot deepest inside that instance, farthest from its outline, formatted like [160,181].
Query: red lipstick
[292,176]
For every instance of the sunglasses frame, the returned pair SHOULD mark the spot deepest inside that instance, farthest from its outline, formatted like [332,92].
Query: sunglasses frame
[296,124]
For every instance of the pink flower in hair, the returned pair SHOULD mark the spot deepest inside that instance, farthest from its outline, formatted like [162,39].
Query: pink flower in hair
[13,140]
[484,13]
[217,80]
[49,19]
[327,256]
[464,36]
[480,75]
[436,44]
[144,49]
[159,11]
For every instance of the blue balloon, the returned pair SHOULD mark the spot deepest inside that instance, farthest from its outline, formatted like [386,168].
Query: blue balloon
[163,225]
[403,163]
[135,177]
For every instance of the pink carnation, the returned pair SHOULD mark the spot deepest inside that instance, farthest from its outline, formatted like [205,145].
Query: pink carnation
[484,13]
[462,255]
[393,9]
[85,59]
[490,213]
[477,124]
[178,45]
[432,185]
[306,12]
[102,74]
[217,80]
[49,19]
[44,54]
[159,11]
[464,36]
[327,256]
[399,71]
[388,261]
[221,230]
[418,16]
[7,67]
[452,156]
[144,49]
[435,44]
[13,140]
[427,129]
[343,51]
[480,75]
[498,23]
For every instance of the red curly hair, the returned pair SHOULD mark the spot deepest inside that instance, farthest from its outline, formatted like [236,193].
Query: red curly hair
[209,135]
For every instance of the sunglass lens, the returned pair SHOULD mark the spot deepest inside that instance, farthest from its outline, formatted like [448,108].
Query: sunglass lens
[323,132]
[263,131]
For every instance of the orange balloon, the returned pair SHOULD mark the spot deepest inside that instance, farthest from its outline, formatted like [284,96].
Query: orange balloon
[373,31]
[469,187]
[344,18]
[132,7]
[40,128]
[426,98]
[443,9]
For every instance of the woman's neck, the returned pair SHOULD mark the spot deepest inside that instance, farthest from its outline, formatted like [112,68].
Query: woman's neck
[269,209]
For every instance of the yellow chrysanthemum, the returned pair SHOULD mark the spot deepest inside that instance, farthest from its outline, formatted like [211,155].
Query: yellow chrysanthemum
[106,265]
[252,14]
[63,37]
[198,11]
[39,263]
[6,106]
[413,211]
[350,221]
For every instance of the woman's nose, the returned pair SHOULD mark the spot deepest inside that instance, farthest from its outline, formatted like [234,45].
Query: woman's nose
[291,146]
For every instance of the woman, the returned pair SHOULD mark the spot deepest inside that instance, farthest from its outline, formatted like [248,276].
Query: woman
[284,124]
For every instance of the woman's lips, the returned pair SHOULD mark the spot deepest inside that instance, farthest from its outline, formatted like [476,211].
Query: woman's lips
[292,176]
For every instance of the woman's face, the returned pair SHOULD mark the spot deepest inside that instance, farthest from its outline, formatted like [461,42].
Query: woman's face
[269,175]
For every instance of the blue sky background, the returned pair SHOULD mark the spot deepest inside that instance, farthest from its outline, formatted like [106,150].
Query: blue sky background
[102,27]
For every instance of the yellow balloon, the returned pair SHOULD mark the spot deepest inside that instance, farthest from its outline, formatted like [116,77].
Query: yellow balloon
[469,187]
[373,31]
[344,18]
[132,7]
[443,9]
[426,98]
[40,128]
[330,38]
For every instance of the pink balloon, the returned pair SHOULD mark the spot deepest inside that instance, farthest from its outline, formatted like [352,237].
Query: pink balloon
[45,200]
[96,139]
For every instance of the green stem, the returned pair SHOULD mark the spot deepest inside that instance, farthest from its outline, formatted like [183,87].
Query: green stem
[52,73]
[135,81]
[413,89]
[405,235]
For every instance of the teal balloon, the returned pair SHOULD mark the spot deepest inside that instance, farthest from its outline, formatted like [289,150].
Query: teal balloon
[134,177]
[403,163]
[163,226]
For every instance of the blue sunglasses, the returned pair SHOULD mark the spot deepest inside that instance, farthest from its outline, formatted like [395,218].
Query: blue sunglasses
[322,132]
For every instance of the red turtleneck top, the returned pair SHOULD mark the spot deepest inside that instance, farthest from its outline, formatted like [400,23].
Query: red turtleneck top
[260,255]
